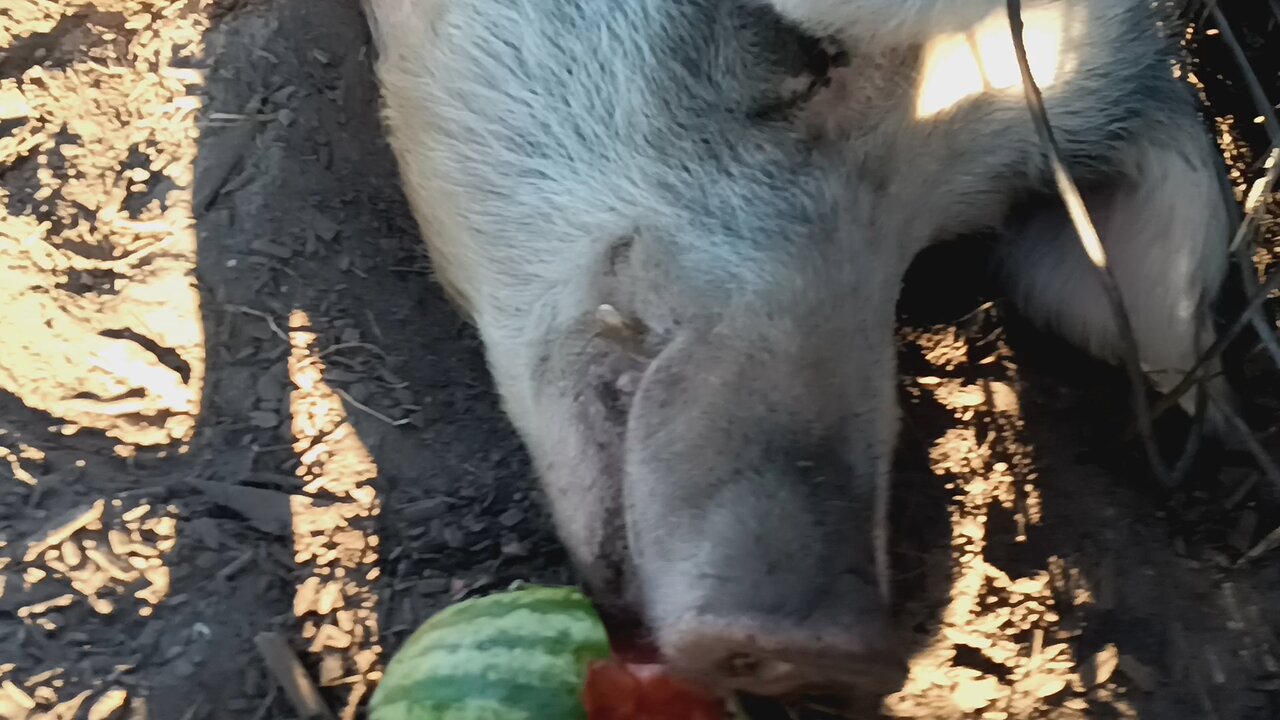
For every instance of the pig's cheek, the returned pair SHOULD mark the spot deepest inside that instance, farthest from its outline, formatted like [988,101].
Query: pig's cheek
[614,381]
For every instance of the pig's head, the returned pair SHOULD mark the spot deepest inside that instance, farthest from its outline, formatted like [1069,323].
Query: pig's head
[719,470]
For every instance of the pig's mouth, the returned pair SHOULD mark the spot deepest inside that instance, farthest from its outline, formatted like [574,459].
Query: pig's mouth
[629,637]
[632,642]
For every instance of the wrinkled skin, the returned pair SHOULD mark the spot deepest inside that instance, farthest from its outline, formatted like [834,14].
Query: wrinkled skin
[715,441]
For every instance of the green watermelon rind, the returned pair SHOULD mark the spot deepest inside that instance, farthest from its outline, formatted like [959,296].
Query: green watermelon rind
[520,655]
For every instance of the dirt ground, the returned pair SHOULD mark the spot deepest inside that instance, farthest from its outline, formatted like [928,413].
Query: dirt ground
[234,406]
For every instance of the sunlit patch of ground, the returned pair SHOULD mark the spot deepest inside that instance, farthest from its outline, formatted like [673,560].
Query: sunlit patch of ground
[101,558]
[335,536]
[102,325]
[101,330]
[1000,649]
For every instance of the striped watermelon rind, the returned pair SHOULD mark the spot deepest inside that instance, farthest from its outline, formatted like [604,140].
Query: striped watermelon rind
[518,655]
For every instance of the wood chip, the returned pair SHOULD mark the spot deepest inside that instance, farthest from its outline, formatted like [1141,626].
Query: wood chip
[1099,669]
[1142,676]
[136,513]
[264,419]
[332,670]
[158,589]
[115,567]
[1043,686]
[266,510]
[108,705]
[17,694]
[70,708]
[330,598]
[292,677]
[74,522]
[973,695]
[330,636]
[427,509]
[13,105]
[324,228]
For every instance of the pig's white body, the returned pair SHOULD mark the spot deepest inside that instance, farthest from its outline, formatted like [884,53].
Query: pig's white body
[652,155]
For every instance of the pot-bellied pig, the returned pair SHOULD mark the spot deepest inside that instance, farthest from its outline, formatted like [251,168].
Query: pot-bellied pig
[682,234]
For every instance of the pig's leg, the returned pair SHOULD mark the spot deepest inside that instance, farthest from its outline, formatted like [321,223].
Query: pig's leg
[1164,225]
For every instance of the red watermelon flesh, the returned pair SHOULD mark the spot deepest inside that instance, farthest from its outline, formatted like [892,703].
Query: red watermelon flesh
[618,690]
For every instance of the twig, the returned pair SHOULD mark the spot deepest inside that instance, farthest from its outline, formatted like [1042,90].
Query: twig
[236,566]
[1089,240]
[1262,324]
[368,410]
[373,323]
[267,702]
[1256,201]
[1260,455]
[1250,78]
[292,676]
[346,345]
[70,525]
[1183,466]
[1269,543]
[1193,376]
[259,314]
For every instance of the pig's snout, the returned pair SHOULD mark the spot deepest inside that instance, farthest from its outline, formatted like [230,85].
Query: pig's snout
[763,658]
[752,507]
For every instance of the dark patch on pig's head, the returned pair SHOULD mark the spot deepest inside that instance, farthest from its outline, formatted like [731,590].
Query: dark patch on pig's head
[586,376]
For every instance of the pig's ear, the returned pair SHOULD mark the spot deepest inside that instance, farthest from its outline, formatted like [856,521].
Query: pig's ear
[1165,225]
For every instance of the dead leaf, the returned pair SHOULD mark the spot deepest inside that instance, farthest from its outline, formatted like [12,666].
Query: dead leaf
[107,705]
[973,695]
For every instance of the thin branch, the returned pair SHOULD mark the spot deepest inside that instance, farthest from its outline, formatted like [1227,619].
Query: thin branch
[1199,421]
[368,410]
[1269,543]
[1090,240]
[1256,199]
[1267,336]
[1267,464]
[1250,78]
[1195,374]
[271,322]
[347,345]
[1255,203]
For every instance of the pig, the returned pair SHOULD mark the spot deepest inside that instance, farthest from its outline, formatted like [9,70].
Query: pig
[681,232]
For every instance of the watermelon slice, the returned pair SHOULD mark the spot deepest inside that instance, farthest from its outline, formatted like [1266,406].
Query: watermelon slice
[537,653]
